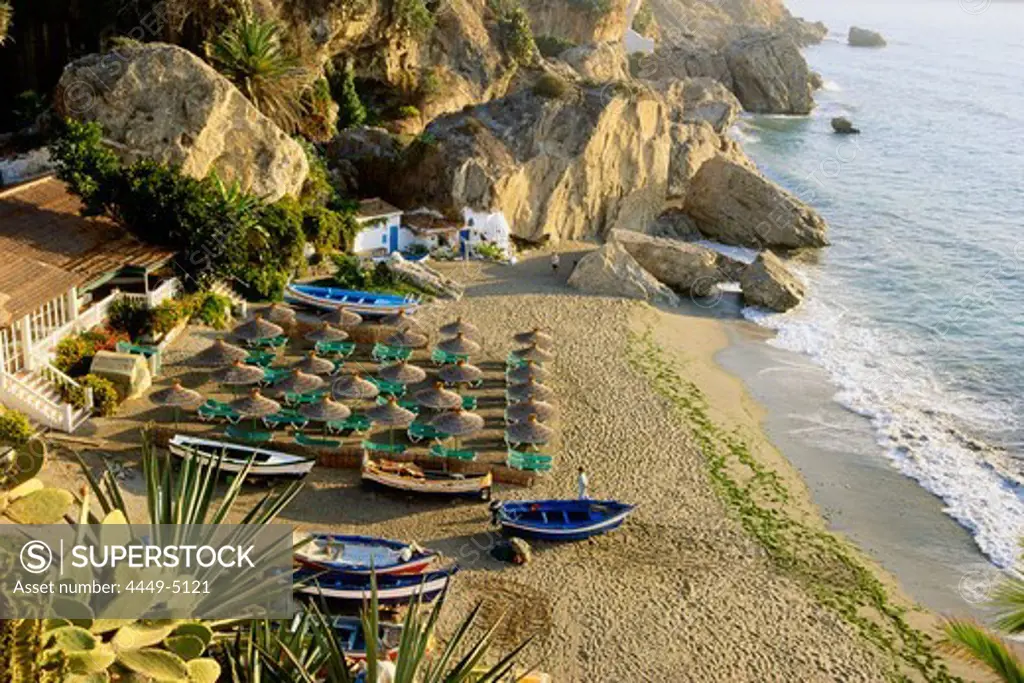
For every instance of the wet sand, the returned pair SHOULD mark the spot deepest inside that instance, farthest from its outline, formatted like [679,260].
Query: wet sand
[684,591]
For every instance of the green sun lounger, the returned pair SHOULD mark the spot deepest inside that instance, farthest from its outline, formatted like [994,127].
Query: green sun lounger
[440,357]
[529,462]
[384,448]
[272,375]
[439,451]
[354,423]
[338,348]
[469,402]
[264,359]
[286,418]
[314,442]
[252,436]
[269,342]
[127,347]
[419,431]
[389,388]
[214,410]
[293,399]
[382,353]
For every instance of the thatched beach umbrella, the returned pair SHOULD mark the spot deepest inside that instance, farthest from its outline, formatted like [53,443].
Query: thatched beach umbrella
[459,326]
[219,355]
[325,410]
[354,387]
[391,415]
[407,339]
[438,398]
[177,397]
[535,337]
[326,333]
[342,317]
[460,344]
[534,353]
[402,321]
[280,314]
[298,382]
[460,373]
[520,412]
[402,373]
[256,406]
[313,365]
[524,373]
[529,431]
[238,374]
[256,329]
[458,423]
[531,389]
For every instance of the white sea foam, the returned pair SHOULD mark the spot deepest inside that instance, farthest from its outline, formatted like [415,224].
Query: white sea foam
[915,418]
[831,86]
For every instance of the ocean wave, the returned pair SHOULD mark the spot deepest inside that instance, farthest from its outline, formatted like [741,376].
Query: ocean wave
[919,424]
[831,86]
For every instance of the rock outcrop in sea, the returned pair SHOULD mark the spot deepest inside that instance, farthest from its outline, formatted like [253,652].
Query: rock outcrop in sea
[611,271]
[161,102]
[769,284]
[862,37]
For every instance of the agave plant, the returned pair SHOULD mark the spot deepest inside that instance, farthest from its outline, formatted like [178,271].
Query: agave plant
[305,649]
[250,54]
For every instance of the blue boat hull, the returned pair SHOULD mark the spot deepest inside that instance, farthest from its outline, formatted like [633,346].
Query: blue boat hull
[368,303]
[561,520]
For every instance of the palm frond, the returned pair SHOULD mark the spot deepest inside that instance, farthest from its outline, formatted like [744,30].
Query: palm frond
[1008,599]
[250,53]
[974,643]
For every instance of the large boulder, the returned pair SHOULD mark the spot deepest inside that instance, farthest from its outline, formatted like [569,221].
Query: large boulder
[611,271]
[161,102]
[557,166]
[600,63]
[862,37]
[734,204]
[692,146]
[844,126]
[769,284]
[682,266]
[581,22]
[770,75]
[701,100]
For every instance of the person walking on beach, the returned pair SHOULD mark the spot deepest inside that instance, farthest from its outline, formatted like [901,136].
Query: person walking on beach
[554,262]
[581,483]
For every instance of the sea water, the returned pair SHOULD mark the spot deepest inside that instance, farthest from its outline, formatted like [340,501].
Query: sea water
[916,311]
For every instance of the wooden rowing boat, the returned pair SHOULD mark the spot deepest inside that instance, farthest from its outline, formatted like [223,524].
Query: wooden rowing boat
[561,520]
[352,639]
[364,303]
[362,554]
[234,457]
[391,588]
[415,479]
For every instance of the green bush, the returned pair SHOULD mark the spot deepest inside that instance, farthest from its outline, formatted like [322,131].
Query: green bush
[323,228]
[15,429]
[551,86]
[166,316]
[644,21]
[352,113]
[73,355]
[491,252]
[408,112]
[350,273]
[129,316]
[552,46]
[319,120]
[517,37]
[212,310]
[105,398]
[411,18]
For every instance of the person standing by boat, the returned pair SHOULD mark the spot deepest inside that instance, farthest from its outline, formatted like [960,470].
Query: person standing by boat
[581,483]
[555,259]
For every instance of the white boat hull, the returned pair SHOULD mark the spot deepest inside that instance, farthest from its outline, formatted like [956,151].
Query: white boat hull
[277,465]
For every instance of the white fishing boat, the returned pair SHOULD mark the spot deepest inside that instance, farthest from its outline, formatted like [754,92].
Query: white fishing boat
[234,457]
[414,479]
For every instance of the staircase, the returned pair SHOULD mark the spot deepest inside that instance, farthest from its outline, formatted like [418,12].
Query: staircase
[238,303]
[37,396]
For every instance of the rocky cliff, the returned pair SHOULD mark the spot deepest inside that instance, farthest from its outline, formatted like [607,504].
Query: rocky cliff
[161,102]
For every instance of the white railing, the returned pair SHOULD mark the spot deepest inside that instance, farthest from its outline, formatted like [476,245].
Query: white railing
[63,383]
[96,313]
[22,397]
[165,291]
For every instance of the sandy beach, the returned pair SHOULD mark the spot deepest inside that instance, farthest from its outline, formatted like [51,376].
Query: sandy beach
[725,572]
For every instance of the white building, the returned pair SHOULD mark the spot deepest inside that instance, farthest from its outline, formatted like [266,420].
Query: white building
[382,229]
[59,274]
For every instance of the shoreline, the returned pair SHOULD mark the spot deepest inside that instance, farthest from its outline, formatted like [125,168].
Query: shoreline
[689,583]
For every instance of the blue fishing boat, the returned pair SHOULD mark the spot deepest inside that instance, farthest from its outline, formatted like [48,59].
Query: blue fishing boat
[391,588]
[560,520]
[364,303]
[362,555]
